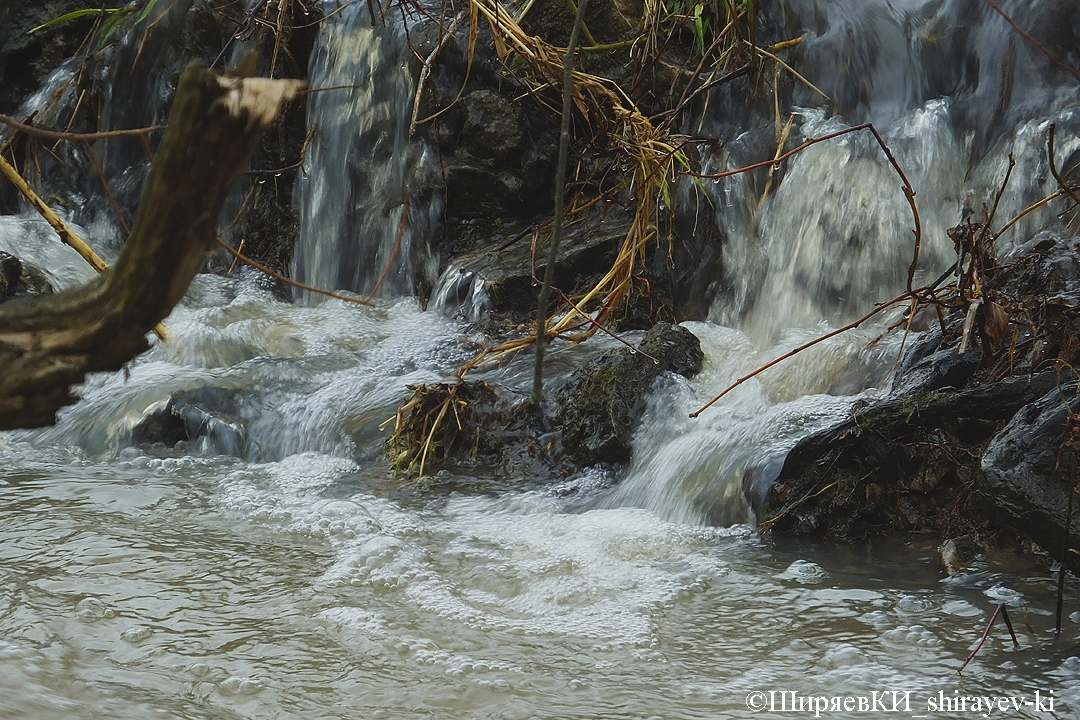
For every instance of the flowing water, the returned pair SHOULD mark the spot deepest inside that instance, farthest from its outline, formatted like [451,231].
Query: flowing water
[297,579]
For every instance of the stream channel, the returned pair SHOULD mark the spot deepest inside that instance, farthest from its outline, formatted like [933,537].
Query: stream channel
[292,579]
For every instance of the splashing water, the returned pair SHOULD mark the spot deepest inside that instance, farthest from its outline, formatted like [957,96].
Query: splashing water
[298,579]
[366,205]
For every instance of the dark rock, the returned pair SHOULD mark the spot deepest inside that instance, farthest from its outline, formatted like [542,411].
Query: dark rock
[930,370]
[27,59]
[590,420]
[1025,477]
[493,124]
[959,553]
[600,407]
[920,449]
[689,268]
[183,421]
[506,266]
[496,430]
[19,279]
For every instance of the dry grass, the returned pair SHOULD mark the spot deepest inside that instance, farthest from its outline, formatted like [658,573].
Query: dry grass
[647,155]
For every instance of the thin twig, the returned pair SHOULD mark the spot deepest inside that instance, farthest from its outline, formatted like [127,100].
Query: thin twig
[67,235]
[560,191]
[701,63]
[909,191]
[239,250]
[1053,168]
[1008,624]
[397,242]
[744,70]
[600,327]
[1045,51]
[1028,210]
[1065,543]
[288,281]
[997,199]
[791,70]
[426,70]
[55,135]
[804,346]
[108,190]
[312,91]
[982,640]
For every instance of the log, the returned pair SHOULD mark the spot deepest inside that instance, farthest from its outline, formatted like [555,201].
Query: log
[49,344]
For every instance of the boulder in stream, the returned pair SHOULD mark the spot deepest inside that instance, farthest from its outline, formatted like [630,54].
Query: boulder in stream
[19,279]
[1027,471]
[901,464]
[600,406]
[460,425]
[965,444]
[195,420]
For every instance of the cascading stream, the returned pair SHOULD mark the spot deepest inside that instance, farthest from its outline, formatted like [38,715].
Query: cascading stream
[836,235]
[364,171]
[300,579]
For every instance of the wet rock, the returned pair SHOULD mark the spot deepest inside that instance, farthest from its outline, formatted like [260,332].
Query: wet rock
[1025,477]
[920,450]
[930,367]
[506,266]
[600,407]
[19,279]
[965,442]
[184,421]
[494,124]
[689,269]
[27,59]
[497,151]
[496,430]
[959,553]
[590,421]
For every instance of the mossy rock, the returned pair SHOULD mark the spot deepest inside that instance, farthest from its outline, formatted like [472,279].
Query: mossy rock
[601,405]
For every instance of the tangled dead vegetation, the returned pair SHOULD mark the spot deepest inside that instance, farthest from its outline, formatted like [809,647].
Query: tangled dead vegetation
[635,159]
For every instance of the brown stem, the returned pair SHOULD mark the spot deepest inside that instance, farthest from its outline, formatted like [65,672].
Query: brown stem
[982,640]
[288,281]
[108,190]
[804,346]
[1053,168]
[1045,51]
[397,243]
[55,135]
[537,394]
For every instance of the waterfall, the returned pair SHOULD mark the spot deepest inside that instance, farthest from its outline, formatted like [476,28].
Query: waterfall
[366,208]
[954,91]
[951,88]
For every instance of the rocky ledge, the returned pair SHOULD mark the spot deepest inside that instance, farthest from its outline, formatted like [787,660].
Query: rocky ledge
[971,445]
[588,421]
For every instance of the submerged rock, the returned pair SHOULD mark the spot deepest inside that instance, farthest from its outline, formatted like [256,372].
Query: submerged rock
[19,279]
[959,554]
[600,407]
[184,420]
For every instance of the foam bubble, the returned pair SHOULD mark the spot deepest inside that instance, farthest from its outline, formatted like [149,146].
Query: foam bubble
[803,571]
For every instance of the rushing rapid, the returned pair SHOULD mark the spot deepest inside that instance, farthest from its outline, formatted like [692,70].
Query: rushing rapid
[297,577]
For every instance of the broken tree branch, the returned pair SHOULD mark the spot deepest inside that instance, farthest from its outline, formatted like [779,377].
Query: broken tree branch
[49,344]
